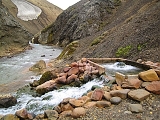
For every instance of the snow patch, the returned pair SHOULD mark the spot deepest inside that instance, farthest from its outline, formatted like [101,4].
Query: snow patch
[26,10]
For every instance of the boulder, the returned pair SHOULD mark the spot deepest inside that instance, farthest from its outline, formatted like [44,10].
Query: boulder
[10,117]
[139,94]
[73,70]
[76,103]
[107,96]
[51,114]
[119,78]
[46,87]
[103,104]
[90,104]
[137,108]
[65,114]
[46,77]
[97,95]
[39,66]
[66,107]
[120,93]
[149,75]
[71,79]
[115,100]
[23,114]
[77,112]
[61,80]
[154,87]
[132,84]
[7,101]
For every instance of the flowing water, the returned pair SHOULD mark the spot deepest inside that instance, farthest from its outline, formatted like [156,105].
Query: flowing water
[14,73]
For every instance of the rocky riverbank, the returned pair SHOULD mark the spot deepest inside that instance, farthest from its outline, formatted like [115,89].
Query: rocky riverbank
[125,97]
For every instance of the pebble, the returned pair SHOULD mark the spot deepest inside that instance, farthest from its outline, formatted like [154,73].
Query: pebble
[137,108]
[127,112]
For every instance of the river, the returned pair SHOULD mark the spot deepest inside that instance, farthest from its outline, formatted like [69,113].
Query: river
[14,71]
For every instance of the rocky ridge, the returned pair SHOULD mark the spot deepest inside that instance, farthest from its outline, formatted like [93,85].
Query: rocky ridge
[13,37]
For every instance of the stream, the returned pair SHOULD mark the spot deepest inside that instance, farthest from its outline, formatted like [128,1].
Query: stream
[14,74]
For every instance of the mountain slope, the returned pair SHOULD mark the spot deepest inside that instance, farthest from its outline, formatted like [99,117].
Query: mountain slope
[13,37]
[48,15]
[108,28]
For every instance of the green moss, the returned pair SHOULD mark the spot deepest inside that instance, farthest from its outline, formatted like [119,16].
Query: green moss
[123,51]
[45,77]
[141,46]
[68,50]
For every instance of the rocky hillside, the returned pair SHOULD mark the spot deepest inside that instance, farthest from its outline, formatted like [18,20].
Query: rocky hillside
[108,28]
[48,15]
[13,37]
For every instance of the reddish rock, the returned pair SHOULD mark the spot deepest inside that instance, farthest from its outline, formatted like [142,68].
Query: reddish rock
[22,113]
[120,93]
[149,75]
[95,72]
[80,64]
[71,79]
[74,64]
[46,87]
[84,60]
[132,84]
[77,112]
[62,74]
[102,104]
[97,94]
[81,69]
[66,107]
[76,103]
[73,70]
[154,87]
[61,80]
[66,69]
[139,94]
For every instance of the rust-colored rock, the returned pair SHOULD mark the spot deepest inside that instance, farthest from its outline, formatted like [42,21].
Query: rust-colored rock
[154,87]
[66,69]
[132,84]
[73,70]
[61,80]
[97,95]
[71,79]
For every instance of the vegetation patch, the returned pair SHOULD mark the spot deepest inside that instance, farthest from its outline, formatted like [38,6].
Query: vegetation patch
[117,2]
[68,50]
[123,51]
[141,46]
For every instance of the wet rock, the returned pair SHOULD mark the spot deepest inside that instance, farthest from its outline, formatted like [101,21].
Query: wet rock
[107,96]
[103,104]
[132,84]
[97,95]
[149,75]
[144,84]
[87,78]
[120,93]
[139,94]
[89,104]
[119,78]
[51,114]
[23,114]
[46,87]
[71,79]
[42,55]
[154,87]
[10,117]
[7,101]
[76,103]
[115,100]
[46,77]
[137,108]
[77,112]
[66,107]
[73,70]
[39,66]
[95,87]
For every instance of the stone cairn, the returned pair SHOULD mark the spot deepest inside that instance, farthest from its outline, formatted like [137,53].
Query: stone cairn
[135,87]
